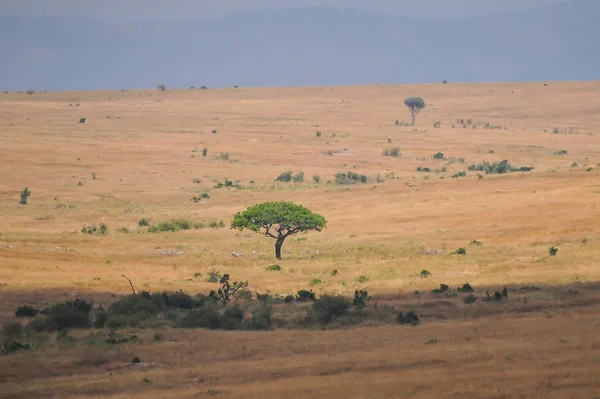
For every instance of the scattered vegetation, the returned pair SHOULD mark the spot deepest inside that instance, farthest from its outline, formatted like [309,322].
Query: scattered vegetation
[499,167]
[561,152]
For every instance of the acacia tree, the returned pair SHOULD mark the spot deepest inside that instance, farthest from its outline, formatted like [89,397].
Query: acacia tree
[278,220]
[415,105]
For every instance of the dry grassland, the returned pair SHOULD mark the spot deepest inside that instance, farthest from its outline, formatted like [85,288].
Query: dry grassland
[145,148]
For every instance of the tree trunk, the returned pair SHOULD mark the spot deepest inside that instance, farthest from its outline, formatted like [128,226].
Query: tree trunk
[278,245]
[413,119]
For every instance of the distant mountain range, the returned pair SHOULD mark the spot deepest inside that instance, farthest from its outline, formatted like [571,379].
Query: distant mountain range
[298,47]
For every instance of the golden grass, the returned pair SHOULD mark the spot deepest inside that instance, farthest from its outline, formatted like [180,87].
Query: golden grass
[144,148]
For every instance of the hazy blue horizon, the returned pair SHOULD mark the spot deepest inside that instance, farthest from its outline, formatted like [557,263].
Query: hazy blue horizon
[301,47]
[194,10]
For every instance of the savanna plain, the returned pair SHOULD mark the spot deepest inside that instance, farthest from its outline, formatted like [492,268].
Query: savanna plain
[502,269]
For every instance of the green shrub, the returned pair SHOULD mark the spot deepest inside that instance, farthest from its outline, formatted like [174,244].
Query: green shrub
[470,299]
[273,268]
[204,152]
[461,251]
[317,179]
[553,251]
[205,196]
[26,311]
[285,177]
[363,278]
[425,273]
[318,134]
[438,155]
[213,276]
[82,120]
[24,195]
[329,307]
[561,152]
[123,230]
[224,156]
[143,222]
[459,174]
[216,224]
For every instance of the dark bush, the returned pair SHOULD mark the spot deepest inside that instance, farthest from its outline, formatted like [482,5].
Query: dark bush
[361,298]
[443,288]
[12,330]
[461,251]
[329,307]
[438,155]
[408,318]
[553,251]
[466,288]
[298,178]
[205,317]
[99,317]
[305,296]
[285,177]
[261,318]
[273,268]
[425,273]
[70,314]
[133,304]
[12,347]
[469,299]
[350,178]
[232,318]
[26,311]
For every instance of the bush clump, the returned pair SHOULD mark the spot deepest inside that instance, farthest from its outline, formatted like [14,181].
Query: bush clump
[499,167]
[26,311]
[305,296]
[285,177]
[273,268]
[329,307]
[408,318]
[350,178]
[392,152]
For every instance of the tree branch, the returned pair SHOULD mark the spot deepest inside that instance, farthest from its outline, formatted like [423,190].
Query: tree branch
[130,283]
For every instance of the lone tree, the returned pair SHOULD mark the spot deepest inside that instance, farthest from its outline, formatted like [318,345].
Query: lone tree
[24,194]
[415,105]
[278,220]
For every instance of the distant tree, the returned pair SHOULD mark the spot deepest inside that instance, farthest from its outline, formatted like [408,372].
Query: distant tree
[415,105]
[161,87]
[278,220]
[24,194]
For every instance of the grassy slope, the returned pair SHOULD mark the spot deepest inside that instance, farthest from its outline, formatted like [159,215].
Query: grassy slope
[140,145]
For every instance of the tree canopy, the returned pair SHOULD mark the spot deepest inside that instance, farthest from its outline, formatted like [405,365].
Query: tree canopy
[415,105]
[278,220]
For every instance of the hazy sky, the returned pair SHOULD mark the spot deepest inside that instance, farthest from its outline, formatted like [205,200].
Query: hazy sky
[193,10]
